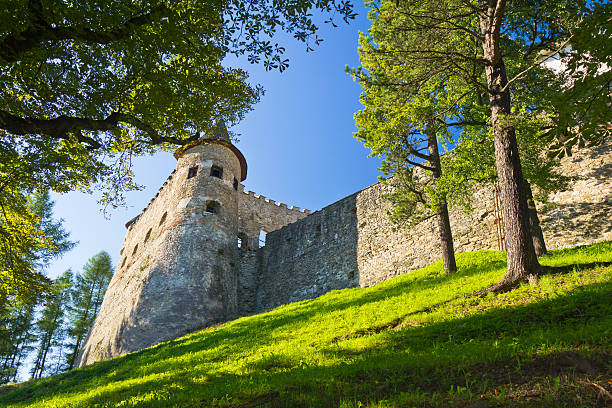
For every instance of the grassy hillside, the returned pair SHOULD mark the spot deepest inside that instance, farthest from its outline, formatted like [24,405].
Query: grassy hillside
[416,340]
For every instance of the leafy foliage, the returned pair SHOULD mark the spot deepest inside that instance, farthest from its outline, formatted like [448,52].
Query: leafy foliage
[417,78]
[88,85]
[93,83]
[29,239]
[405,102]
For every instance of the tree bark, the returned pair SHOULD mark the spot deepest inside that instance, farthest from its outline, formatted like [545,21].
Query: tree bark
[444,228]
[521,256]
[539,245]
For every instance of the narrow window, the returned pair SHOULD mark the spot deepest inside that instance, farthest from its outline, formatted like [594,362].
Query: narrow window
[148,235]
[262,238]
[123,263]
[135,250]
[242,241]
[193,171]
[216,171]
[163,218]
[235,184]
[121,252]
[212,207]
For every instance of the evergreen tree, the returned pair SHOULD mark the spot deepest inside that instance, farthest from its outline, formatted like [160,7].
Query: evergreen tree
[17,339]
[22,283]
[87,295]
[50,330]
[29,239]
[399,122]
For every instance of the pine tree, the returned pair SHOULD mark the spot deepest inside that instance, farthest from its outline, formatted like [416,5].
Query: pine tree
[49,327]
[17,327]
[20,293]
[87,296]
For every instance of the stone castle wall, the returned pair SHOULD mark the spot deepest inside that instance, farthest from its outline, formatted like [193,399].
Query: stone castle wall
[257,213]
[181,269]
[352,242]
[310,257]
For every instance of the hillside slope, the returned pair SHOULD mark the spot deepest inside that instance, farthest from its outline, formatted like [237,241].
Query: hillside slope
[416,340]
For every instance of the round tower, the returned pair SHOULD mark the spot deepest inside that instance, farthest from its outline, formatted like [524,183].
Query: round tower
[212,170]
[178,271]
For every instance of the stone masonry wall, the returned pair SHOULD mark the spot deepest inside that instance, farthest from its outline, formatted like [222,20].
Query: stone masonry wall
[257,213]
[581,214]
[310,257]
[352,242]
[175,273]
[180,268]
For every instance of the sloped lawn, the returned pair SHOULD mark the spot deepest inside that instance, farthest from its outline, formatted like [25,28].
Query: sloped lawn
[416,340]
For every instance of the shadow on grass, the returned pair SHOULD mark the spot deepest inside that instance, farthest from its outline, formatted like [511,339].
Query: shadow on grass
[488,349]
[565,269]
[243,338]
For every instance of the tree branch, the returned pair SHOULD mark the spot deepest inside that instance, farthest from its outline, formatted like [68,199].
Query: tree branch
[15,45]
[520,74]
[424,167]
[65,127]
[416,153]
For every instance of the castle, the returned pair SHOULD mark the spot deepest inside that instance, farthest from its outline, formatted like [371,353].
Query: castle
[193,257]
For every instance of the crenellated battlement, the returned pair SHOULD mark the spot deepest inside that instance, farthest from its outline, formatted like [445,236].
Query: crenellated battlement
[276,203]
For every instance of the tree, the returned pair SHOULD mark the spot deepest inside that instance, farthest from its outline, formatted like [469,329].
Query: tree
[50,332]
[401,122]
[469,41]
[88,85]
[29,239]
[472,164]
[16,342]
[98,81]
[87,295]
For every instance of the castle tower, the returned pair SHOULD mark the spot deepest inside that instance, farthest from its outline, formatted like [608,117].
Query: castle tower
[178,271]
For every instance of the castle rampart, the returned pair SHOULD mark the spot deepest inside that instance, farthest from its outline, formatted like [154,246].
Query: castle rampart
[192,257]
[352,242]
[180,266]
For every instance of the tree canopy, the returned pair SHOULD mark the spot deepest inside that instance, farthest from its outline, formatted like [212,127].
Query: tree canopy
[89,85]
[29,239]
[457,64]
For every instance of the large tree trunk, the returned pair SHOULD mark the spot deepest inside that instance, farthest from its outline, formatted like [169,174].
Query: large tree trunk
[537,235]
[444,228]
[521,256]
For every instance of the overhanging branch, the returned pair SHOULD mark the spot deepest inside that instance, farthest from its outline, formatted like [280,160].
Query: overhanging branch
[67,127]
[15,45]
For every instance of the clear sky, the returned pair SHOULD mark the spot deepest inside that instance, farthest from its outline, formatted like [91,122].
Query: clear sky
[298,143]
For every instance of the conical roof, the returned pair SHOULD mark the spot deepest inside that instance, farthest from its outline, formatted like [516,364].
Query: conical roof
[220,132]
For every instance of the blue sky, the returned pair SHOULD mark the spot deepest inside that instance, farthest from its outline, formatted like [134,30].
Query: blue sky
[298,143]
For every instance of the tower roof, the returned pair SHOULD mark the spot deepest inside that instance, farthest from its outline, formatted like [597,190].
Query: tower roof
[220,136]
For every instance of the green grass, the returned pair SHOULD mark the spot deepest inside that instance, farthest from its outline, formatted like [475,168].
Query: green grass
[416,340]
